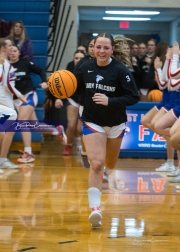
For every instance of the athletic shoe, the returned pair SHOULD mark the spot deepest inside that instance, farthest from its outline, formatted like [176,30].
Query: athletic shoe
[26,157]
[1,171]
[177,187]
[8,164]
[175,180]
[84,161]
[61,135]
[174,173]
[165,167]
[68,150]
[105,177]
[95,217]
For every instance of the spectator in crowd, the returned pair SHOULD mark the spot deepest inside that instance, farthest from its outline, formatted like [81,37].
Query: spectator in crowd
[70,65]
[144,68]
[142,50]
[19,38]
[134,50]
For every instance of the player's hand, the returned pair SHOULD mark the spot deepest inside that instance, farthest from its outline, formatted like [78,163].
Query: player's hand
[157,63]
[44,85]
[100,99]
[176,48]
[58,103]
[23,99]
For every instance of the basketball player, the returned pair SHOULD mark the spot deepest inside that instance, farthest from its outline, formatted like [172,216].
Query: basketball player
[26,111]
[7,90]
[168,102]
[89,56]
[163,126]
[5,114]
[73,125]
[108,87]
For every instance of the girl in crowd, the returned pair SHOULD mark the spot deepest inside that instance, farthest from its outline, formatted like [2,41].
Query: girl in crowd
[108,87]
[19,38]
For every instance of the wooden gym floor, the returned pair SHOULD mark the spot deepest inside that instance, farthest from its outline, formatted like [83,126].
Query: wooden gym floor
[45,208]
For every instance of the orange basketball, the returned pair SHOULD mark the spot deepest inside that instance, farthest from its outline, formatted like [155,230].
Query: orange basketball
[62,84]
[154,96]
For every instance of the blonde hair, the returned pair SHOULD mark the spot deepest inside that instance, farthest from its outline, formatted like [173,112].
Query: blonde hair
[118,52]
[22,36]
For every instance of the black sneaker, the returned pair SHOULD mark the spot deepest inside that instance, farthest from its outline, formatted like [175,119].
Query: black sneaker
[105,177]
[84,161]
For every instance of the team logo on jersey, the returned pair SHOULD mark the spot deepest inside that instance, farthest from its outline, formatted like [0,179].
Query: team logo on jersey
[98,78]
[12,75]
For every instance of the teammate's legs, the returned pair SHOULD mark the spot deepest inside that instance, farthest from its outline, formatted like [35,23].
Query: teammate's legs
[72,118]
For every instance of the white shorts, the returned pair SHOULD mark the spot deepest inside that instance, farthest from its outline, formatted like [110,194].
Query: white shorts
[144,91]
[5,111]
[6,98]
[81,110]
[111,132]
[72,102]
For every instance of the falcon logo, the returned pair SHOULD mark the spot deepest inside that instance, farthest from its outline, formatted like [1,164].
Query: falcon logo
[98,78]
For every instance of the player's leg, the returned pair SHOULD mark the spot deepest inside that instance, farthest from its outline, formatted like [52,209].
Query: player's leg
[72,117]
[146,119]
[95,144]
[7,139]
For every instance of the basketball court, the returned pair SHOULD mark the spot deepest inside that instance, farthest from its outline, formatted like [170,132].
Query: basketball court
[45,208]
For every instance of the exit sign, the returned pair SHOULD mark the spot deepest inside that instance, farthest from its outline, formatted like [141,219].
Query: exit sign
[124,25]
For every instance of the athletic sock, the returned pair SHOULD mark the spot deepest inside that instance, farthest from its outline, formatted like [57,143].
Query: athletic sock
[28,150]
[94,197]
[170,162]
[2,160]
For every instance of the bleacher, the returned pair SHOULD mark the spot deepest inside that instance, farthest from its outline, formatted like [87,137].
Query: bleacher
[35,16]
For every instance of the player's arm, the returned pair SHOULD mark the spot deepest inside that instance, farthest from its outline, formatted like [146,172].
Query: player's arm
[175,70]
[38,70]
[158,74]
[130,93]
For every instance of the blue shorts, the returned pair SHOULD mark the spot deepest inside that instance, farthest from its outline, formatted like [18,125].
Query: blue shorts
[31,98]
[173,102]
[111,132]
[176,112]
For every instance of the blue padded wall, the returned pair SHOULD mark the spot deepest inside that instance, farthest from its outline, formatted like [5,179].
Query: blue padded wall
[35,16]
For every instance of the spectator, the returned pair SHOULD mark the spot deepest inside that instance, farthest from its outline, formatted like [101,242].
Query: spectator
[70,65]
[5,28]
[134,50]
[19,38]
[144,67]
[142,50]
